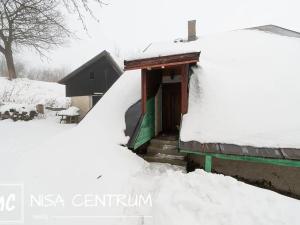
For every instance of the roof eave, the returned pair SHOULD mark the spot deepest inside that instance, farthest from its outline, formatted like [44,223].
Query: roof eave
[82,67]
[162,61]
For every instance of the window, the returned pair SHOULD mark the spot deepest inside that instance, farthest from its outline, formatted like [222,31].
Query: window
[92,76]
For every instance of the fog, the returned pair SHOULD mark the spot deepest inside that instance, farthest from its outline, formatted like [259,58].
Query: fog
[125,26]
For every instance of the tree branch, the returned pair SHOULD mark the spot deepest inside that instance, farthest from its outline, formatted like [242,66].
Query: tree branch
[79,6]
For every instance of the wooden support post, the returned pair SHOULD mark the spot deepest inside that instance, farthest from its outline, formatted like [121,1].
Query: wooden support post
[208,163]
[184,88]
[144,91]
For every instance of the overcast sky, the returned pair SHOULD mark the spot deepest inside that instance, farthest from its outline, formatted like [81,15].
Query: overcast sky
[127,25]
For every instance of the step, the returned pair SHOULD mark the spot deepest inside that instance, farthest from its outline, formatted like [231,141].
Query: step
[168,137]
[167,156]
[164,147]
[169,150]
[160,142]
[159,159]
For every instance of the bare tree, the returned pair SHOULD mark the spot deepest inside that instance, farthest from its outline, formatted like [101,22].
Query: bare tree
[80,6]
[31,23]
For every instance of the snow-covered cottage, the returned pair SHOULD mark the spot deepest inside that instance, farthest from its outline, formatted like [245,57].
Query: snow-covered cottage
[239,101]
[87,84]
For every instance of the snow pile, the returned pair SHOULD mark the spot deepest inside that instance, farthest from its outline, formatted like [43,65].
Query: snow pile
[31,92]
[87,159]
[245,91]
[72,111]
[210,199]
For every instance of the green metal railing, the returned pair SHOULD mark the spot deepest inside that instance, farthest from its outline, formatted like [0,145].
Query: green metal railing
[255,159]
[208,157]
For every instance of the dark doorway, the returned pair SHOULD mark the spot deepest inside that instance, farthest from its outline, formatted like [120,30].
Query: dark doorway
[95,99]
[171,106]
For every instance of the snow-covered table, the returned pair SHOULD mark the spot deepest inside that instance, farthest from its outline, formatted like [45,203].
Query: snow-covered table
[70,115]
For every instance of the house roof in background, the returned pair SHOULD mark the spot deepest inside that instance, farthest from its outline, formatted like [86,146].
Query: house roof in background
[100,56]
[277,30]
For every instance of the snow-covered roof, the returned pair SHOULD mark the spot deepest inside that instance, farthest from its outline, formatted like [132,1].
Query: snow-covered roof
[277,30]
[160,49]
[245,90]
[182,46]
[113,59]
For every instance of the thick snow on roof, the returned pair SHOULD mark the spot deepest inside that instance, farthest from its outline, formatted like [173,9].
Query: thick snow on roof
[245,91]
[164,49]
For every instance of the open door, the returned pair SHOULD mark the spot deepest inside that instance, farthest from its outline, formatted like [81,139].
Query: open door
[171,107]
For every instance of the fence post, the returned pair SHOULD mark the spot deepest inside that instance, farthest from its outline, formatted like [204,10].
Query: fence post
[208,163]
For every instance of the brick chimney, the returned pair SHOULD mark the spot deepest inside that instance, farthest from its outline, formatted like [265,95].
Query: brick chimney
[192,36]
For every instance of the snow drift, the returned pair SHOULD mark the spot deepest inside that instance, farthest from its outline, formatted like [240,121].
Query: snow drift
[245,91]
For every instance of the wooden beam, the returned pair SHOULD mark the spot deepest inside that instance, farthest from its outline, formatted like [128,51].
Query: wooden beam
[162,61]
[144,90]
[184,88]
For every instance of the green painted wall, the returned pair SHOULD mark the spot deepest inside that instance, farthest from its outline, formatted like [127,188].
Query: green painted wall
[147,127]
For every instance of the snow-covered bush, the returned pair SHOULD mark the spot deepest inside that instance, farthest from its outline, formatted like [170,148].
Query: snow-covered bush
[30,92]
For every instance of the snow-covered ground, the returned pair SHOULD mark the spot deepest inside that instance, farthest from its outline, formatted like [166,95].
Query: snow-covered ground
[20,136]
[31,92]
[88,161]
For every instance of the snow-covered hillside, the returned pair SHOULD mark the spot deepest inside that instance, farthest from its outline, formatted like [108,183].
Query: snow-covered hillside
[31,92]
[89,160]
